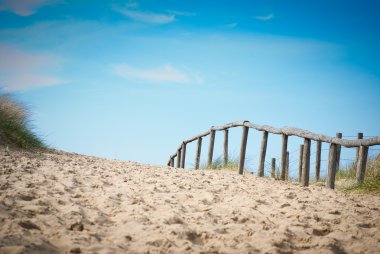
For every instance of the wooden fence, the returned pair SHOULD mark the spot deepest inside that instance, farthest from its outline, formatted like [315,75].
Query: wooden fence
[304,157]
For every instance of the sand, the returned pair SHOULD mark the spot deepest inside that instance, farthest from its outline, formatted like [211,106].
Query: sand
[69,203]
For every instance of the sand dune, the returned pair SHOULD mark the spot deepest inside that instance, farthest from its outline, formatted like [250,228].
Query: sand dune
[67,203]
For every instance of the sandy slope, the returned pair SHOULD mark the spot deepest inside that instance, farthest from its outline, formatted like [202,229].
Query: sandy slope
[62,203]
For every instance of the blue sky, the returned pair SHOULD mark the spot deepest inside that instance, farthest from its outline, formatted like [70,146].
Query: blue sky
[131,79]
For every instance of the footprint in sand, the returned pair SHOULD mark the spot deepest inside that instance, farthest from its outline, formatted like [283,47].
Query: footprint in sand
[26,197]
[193,236]
[365,225]
[322,230]
[29,225]
[291,195]
[175,219]
[284,205]
[77,226]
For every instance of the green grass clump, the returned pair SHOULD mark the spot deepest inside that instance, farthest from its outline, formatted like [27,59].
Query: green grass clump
[218,164]
[347,172]
[15,128]
[371,183]
[276,174]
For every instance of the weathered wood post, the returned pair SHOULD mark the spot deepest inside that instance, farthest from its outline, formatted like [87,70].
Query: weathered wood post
[300,164]
[283,156]
[362,163]
[318,160]
[306,162]
[211,148]
[179,158]
[273,168]
[263,152]
[183,155]
[330,181]
[338,149]
[360,136]
[225,148]
[198,153]
[287,166]
[242,149]
[171,162]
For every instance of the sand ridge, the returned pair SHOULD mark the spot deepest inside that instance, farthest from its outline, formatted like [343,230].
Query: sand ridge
[69,203]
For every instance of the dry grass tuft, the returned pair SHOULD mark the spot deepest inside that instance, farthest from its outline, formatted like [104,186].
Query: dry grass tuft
[15,127]
[371,183]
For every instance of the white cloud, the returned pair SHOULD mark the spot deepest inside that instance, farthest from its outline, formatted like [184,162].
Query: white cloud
[265,18]
[231,25]
[166,73]
[143,16]
[182,13]
[132,4]
[23,7]
[27,81]
[20,70]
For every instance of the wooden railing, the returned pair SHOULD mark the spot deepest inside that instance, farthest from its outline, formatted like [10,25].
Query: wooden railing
[304,161]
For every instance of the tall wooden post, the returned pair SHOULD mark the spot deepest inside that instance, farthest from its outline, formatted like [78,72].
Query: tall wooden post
[183,155]
[300,163]
[263,151]
[225,148]
[318,160]
[287,166]
[273,168]
[330,181]
[306,163]
[179,158]
[338,149]
[242,149]
[198,153]
[283,156]
[211,148]
[360,136]
[362,163]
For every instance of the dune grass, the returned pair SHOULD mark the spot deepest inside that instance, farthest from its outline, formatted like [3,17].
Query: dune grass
[218,164]
[371,183]
[233,164]
[346,178]
[277,174]
[15,126]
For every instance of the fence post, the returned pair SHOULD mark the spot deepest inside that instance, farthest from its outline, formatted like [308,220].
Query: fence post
[225,148]
[330,181]
[287,166]
[283,156]
[273,168]
[338,149]
[263,151]
[171,162]
[362,163]
[211,148]
[183,155]
[318,160]
[300,163]
[306,162]
[198,153]
[242,149]
[179,158]
[360,136]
